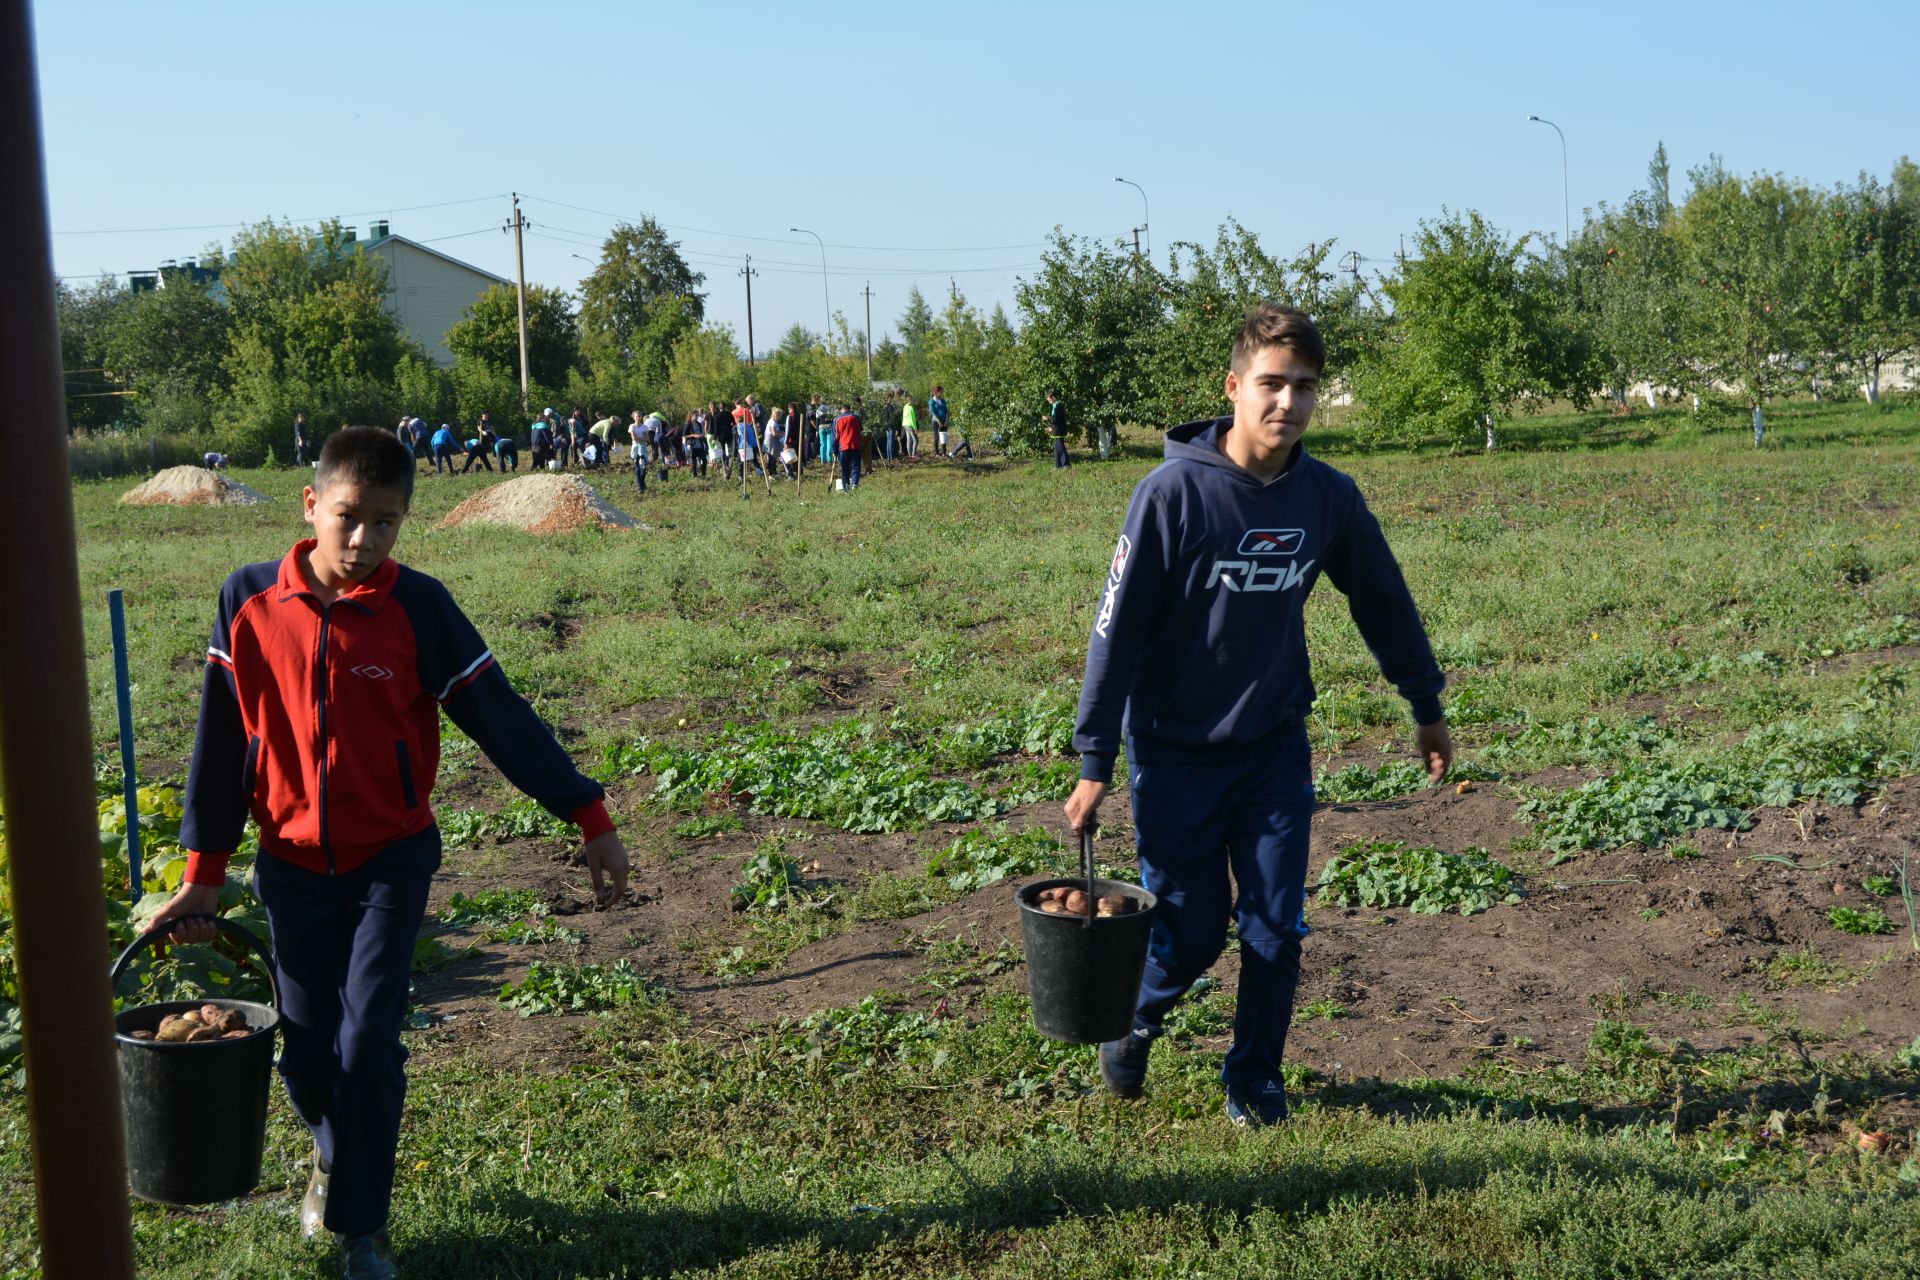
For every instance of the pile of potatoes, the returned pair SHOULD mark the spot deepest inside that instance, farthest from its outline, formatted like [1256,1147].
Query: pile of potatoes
[197,1026]
[1064,900]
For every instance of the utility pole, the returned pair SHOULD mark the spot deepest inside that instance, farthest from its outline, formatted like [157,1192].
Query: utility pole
[520,276]
[749,273]
[1352,263]
[868,294]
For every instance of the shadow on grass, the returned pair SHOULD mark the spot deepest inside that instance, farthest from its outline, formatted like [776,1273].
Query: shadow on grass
[1667,1100]
[656,1238]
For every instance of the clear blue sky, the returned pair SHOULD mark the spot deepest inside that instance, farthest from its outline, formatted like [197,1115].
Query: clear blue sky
[949,138]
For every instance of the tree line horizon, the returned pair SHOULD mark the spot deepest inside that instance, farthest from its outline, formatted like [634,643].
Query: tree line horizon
[1742,290]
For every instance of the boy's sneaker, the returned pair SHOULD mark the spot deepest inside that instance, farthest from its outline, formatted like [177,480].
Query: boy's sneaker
[367,1257]
[313,1205]
[1123,1062]
[1257,1106]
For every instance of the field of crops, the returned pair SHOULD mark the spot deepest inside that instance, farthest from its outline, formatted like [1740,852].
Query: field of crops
[1635,993]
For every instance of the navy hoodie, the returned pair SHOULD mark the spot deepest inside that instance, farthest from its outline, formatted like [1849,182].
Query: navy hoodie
[1199,646]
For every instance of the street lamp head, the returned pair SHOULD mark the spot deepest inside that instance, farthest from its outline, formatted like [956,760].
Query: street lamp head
[1535,118]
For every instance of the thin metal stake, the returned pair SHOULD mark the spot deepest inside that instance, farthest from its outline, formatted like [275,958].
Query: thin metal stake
[130,777]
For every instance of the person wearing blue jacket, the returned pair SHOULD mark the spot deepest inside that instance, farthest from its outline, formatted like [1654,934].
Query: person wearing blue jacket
[443,446]
[1198,663]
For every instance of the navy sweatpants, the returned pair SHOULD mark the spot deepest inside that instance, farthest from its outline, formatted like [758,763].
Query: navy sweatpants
[1193,824]
[343,946]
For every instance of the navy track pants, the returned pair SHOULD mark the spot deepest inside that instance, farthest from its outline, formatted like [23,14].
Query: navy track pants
[1194,823]
[343,945]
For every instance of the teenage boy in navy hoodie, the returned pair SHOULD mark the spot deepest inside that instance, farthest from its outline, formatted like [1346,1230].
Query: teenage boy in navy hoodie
[320,718]
[1198,660]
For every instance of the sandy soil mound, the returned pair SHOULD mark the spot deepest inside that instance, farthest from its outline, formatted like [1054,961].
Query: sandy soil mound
[192,487]
[541,504]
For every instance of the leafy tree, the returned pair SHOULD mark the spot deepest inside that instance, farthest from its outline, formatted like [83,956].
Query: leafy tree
[706,366]
[1862,305]
[979,364]
[798,340]
[86,317]
[424,390]
[1744,272]
[917,320]
[1659,186]
[1476,330]
[310,333]
[1087,320]
[489,332]
[639,302]
[1209,294]
[170,346]
[1625,277]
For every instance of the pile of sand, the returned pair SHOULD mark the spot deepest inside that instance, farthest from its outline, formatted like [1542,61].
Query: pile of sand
[541,504]
[192,487]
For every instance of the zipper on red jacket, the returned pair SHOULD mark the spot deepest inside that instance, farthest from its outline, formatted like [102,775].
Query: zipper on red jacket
[320,696]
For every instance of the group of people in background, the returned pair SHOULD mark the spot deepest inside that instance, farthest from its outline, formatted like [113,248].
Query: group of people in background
[748,436]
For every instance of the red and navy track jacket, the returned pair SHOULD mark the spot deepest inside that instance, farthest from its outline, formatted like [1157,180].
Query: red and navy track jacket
[323,722]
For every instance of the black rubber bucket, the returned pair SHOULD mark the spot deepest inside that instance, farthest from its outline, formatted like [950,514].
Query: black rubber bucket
[196,1114]
[1083,972]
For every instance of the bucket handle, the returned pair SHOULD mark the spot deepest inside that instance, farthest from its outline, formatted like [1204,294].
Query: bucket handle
[1086,869]
[232,928]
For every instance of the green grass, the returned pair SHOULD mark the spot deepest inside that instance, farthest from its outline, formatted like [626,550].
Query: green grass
[1591,577]
[875,1143]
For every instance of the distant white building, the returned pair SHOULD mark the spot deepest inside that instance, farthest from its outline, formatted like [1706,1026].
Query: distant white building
[428,292]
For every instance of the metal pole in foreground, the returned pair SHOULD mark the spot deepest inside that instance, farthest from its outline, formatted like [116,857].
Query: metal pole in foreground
[1566,207]
[129,776]
[46,751]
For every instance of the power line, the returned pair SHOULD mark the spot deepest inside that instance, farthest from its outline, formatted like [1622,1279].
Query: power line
[221,226]
[546,231]
[738,235]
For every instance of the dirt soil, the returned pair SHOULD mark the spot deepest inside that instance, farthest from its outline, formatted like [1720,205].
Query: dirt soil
[541,504]
[1686,940]
[192,487]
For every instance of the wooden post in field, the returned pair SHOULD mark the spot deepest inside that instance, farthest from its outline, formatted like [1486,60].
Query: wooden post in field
[46,747]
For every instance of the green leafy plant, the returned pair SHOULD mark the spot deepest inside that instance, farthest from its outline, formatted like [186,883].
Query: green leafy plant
[492,907]
[1326,1010]
[1881,886]
[1639,804]
[532,932]
[770,879]
[1863,923]
[853,774]
[979,858]
[521,819]
[1357,783]
[579,988]
[1423,879]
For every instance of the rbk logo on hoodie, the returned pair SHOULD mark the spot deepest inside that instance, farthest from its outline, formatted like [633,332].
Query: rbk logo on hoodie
[1251,575]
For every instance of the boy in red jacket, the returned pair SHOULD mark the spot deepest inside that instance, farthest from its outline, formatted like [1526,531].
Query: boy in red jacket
[320,718]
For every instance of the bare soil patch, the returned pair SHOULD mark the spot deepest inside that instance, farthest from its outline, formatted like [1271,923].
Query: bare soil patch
[1687,942]
[192,487]
[541,504]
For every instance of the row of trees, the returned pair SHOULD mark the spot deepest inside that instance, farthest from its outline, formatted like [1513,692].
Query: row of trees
[1745,289]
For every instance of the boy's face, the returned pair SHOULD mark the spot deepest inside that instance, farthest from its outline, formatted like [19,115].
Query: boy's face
[1273,398]
[355,527]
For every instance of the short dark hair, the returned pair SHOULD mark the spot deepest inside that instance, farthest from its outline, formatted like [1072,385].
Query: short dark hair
[1272,325]
[368,457]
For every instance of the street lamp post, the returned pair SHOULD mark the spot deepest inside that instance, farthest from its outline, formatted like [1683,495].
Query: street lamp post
[1146,214]
[1566,208]
[826,333]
